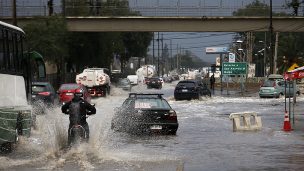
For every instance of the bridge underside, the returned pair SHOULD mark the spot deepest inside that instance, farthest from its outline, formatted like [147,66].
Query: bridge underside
[179,24]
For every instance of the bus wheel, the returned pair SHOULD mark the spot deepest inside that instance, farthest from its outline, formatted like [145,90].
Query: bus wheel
[7,147]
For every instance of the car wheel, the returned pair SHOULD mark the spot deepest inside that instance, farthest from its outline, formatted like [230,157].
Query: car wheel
[279,96]
[199,97]
[209,94]
[172,132]
[108,90]
[104,92]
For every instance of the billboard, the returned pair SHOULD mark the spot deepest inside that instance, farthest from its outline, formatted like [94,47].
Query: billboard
[216,50]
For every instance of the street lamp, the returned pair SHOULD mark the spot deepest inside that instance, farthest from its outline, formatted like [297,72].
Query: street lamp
[242,54]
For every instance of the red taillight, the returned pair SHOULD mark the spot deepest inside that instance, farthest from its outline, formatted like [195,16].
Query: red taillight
[172,115]
[44,93]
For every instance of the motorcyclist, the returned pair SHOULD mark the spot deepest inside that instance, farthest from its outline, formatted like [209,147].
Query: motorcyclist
[77,109]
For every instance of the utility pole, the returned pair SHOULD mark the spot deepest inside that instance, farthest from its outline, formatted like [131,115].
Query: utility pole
[163,60]
[270,42]
[63,8]
[153,50]
[275,53]
[158,54]
[171,66]
[177,57]
[14,13]
[50,6]
[265,51]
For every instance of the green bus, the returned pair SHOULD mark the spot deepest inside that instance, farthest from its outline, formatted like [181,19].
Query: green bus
[18,68]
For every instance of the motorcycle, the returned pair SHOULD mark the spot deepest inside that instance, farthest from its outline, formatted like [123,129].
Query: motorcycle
[77,134]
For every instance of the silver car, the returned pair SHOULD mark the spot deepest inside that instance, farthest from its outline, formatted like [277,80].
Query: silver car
[276,88]
[289,91]
[125,84]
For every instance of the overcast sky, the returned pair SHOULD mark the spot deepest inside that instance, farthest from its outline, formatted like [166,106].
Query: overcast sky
[197,42]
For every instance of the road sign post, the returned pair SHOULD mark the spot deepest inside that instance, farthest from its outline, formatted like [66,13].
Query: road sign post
[235,68]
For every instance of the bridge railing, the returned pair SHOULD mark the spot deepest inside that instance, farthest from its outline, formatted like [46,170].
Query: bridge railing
[190,11]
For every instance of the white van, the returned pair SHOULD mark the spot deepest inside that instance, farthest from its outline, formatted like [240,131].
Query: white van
[133,79]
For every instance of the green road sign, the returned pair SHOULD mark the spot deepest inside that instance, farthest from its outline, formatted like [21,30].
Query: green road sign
[234,68]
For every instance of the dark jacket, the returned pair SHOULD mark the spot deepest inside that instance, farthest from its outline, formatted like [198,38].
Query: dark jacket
[77,109]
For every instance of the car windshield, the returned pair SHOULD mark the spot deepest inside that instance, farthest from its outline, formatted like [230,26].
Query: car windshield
[289,84]
[154,79]
[268,83]
[38,88]
[69,87]
[123,82]
[186,84]
[153,103]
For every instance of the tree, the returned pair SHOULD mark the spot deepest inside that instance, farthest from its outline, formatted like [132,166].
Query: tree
[101,47]
[256,8]
[136,43]
[295,4]
[48,37]
[188,60]
[291,49]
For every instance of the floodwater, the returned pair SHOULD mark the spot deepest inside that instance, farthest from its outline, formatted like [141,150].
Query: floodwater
[204,140]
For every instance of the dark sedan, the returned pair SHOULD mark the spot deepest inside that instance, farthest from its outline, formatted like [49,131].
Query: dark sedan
[191,89]
[43,96]
[145,114]
[154,82]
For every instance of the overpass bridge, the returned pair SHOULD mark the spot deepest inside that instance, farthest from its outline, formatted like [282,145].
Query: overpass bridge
[176,24]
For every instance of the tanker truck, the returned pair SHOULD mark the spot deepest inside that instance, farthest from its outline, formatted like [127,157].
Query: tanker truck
[96,80]
[145,71]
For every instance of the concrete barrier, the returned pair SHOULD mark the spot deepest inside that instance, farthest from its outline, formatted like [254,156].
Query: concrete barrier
[246,121]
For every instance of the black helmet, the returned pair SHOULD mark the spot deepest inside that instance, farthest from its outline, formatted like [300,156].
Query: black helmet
[78,93]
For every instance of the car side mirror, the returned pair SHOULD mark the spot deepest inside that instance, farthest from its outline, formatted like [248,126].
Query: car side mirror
[57,92]
[93,104]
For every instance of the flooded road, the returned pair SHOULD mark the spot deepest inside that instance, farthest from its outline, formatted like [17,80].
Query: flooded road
[204,140]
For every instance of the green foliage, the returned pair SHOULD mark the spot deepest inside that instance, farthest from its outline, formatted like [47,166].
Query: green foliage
[188,60]
[76,8]
[291,45]
[48,37]
[137,43]
[256,8]
[100,48]
[291,48]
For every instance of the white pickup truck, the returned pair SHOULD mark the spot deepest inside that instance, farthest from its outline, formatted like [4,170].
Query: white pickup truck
[96,80]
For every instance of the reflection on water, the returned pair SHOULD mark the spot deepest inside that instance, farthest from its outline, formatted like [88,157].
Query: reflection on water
[204,140]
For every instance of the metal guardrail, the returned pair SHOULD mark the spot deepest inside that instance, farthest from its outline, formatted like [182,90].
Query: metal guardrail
[172,11]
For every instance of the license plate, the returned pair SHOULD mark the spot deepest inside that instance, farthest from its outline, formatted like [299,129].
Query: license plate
[33,96]
[69,94]
[153,81]
[155,127]
[184,90]
[266,91]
